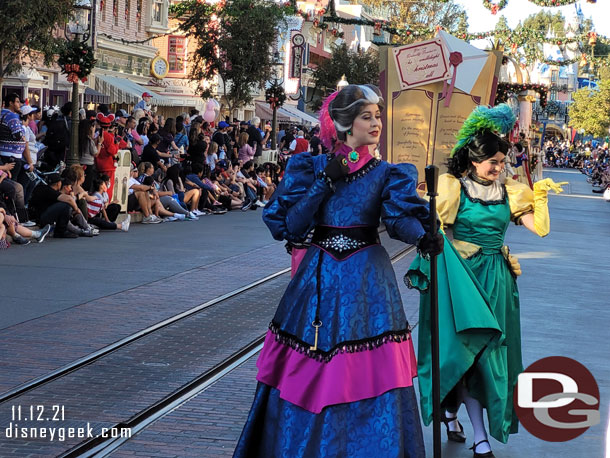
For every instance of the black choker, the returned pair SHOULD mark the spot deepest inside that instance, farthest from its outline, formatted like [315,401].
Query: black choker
[479,180]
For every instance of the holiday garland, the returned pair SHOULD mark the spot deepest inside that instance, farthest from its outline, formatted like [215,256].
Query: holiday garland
[275,95]
[76,60]
[505,89]
[495,7]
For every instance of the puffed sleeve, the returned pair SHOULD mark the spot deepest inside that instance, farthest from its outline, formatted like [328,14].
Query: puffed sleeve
[448,200]
[290,212]
[403,212]
[520,199]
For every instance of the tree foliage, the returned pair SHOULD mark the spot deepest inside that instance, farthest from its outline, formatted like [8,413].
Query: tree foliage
[544,21]
[28,31]
[234,41]
[590,109]
[423,13]
[358,67]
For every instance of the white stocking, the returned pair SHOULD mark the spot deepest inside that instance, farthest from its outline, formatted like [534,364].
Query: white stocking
[475,412]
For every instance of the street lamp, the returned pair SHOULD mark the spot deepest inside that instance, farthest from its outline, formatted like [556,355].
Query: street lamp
[278,75]
[77,25]
[342,83]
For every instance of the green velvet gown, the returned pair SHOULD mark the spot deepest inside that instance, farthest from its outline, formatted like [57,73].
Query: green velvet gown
[480,335]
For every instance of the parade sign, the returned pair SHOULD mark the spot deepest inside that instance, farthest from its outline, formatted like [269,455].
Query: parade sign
[427,104]
[421,63]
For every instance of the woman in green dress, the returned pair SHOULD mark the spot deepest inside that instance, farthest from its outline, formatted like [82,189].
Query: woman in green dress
[480,333]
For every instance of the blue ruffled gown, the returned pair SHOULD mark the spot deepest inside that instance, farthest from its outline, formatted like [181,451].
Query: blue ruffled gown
[353,396]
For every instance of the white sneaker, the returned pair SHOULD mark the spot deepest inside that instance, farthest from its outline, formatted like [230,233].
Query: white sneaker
[156,219]
[28,224]
[169,219]
[125,224]
[198,213]
[179,216]
[258,203]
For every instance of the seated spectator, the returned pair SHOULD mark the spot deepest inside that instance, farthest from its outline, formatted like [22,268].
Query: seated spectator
[13,191]
[139,198]
[229,198]
[78,221]
[97,209]
[250,186]
[161,200]
[194,180]
[21,235]
[173,184]
[49,206]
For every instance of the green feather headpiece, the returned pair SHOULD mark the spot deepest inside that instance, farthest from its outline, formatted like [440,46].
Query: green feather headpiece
[499,119]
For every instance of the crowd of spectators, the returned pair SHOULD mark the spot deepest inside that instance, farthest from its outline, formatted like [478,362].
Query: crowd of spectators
[182,168]
[591,158]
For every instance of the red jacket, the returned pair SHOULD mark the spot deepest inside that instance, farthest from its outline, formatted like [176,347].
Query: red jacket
[105,160]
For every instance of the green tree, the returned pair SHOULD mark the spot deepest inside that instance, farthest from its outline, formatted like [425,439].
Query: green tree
[544,21]
[28,31]
[423,13]
[358,67]
[234,40]
[590,109]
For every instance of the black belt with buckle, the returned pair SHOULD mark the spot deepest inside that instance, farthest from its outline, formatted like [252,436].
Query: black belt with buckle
[342,242]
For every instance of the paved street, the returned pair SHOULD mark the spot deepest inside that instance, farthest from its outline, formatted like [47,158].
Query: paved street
[564,309]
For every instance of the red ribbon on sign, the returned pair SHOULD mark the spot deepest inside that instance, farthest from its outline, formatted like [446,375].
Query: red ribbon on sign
[455,59]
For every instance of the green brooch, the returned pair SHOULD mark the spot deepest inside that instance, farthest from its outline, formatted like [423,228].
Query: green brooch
[353,156]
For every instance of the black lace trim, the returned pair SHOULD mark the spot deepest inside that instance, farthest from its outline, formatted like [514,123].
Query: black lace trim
[370,165]
[486,202]
[351,346]
[479,180]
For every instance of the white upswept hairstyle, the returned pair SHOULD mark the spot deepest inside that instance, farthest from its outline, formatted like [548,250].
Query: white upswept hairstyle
[349,102]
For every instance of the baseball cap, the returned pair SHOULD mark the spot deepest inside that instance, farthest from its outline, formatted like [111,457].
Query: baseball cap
[27,109]
[121,114]
[222,125]
[146,94]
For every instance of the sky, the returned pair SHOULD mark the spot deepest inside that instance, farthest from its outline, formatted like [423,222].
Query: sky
[480,18]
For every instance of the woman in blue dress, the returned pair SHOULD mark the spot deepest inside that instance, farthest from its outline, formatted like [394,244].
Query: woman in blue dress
[335,373]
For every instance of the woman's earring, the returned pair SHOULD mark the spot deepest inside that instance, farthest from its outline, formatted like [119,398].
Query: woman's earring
[349,132]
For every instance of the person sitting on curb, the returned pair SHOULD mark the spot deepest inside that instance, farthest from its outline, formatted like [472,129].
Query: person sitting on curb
[21,235]
[49,206]
[146,171]
[139,198]
[96,208]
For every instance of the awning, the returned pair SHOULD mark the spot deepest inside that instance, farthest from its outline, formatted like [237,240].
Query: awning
[301,115]
[123,90]
[264,111]
[93,96]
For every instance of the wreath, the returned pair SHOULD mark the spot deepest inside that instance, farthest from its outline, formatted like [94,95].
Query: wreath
[275,95]
[495,7]
[76,60]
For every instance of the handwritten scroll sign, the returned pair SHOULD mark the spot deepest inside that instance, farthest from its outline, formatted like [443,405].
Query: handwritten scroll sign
[422,63]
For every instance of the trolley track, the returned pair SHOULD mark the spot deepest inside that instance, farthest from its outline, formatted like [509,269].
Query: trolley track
[106,350]
[101,447]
